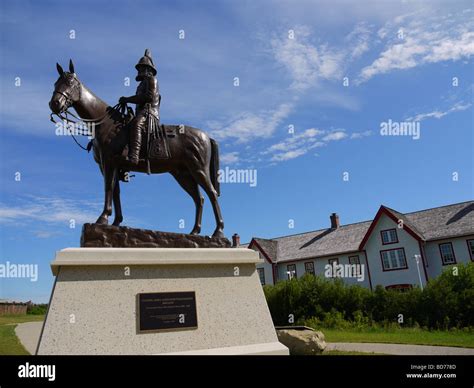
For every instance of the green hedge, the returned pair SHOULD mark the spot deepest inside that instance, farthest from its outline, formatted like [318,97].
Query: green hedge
[37,309]
[446,302]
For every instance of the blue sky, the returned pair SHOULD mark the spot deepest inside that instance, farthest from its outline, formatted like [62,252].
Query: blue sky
[405,61]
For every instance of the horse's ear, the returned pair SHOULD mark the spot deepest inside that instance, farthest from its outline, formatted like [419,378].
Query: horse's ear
[71,67]
[60,69]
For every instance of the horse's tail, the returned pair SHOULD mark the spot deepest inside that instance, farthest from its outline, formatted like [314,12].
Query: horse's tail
[214,167]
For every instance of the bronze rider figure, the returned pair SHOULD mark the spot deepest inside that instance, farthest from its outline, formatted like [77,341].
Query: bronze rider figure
[147,100]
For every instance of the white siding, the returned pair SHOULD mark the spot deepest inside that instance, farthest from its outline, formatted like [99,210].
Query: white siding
[320,267]
[405,240]
[267,268]
[433,256]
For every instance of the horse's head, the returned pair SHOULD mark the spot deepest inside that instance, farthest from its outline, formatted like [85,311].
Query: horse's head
[67,90]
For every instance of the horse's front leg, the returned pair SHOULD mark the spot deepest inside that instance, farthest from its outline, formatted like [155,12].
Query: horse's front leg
[110,179]
[117,206]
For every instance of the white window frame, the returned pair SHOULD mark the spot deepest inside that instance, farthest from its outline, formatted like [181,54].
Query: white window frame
[389,236]
[443,254]
[393,259]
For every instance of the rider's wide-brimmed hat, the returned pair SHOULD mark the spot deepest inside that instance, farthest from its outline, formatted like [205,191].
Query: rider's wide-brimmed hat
[146,60]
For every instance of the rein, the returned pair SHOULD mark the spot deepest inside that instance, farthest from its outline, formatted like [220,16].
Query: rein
[119,107]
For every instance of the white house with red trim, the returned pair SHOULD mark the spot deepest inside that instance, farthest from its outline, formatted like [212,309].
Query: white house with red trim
[395,250]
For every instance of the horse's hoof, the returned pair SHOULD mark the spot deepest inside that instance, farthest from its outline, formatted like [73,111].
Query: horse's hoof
[116,223]
[102,220]
[196,231]
[218,234]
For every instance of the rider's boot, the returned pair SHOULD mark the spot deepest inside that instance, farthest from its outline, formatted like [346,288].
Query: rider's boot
[134,147]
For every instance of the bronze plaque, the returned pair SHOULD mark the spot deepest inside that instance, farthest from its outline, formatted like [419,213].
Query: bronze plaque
[160,311]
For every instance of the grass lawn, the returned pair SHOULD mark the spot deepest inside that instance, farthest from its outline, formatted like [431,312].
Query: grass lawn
[401,336]
[9,343]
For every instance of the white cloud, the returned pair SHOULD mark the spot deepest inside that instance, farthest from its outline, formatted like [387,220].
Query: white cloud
[360,135]
[335,136]
[306,62]
[452,49]
[248,125]
[358,40]
[289,155]
[426,39]
[52,210]
[300,144]
[437,114]
[229,158]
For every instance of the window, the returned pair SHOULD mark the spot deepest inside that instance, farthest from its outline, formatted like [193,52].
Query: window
[333,263]
[447,253]
[354,260]
[470,247]
[261,275]
[309,267]
[291,271]
[399,287]
[393,259]
[389,236]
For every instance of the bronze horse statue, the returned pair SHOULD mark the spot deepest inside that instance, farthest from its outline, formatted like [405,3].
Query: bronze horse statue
[193,161]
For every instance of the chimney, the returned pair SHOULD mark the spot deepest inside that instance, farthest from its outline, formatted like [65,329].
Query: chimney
[235,240]
[334,221]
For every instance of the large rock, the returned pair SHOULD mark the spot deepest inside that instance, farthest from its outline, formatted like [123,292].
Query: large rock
[108,236]
[302,340]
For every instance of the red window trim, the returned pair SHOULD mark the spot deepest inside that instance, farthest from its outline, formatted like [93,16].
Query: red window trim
[441,253]
[469,249]
[399,286]
[308,262]
[393,269]
[274,266]
[387,230]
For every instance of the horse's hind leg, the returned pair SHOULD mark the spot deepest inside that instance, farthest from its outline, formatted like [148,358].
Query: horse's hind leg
[205,182]
[188,183]
[117,204]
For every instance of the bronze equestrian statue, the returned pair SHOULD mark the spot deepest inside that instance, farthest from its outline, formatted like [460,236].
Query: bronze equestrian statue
[191,156]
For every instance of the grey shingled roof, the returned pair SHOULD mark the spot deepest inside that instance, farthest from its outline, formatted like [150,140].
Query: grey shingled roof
[269,246]
[437,223]
[444,222]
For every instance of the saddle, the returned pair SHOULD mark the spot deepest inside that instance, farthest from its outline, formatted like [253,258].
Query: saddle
[156,145]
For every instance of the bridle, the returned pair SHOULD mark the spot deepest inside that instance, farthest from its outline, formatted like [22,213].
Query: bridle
[64,115]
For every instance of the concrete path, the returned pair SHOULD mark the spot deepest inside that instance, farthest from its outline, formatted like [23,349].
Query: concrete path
[28,333]
[399,349]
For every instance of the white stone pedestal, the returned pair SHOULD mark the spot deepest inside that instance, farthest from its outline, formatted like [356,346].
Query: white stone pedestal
[93,307]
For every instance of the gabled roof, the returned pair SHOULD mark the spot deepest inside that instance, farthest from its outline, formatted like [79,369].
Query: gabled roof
[396,217]
[431,224]
[268,248]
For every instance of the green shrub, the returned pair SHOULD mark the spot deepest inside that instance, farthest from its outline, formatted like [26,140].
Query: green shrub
[37,309]
[446,302]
